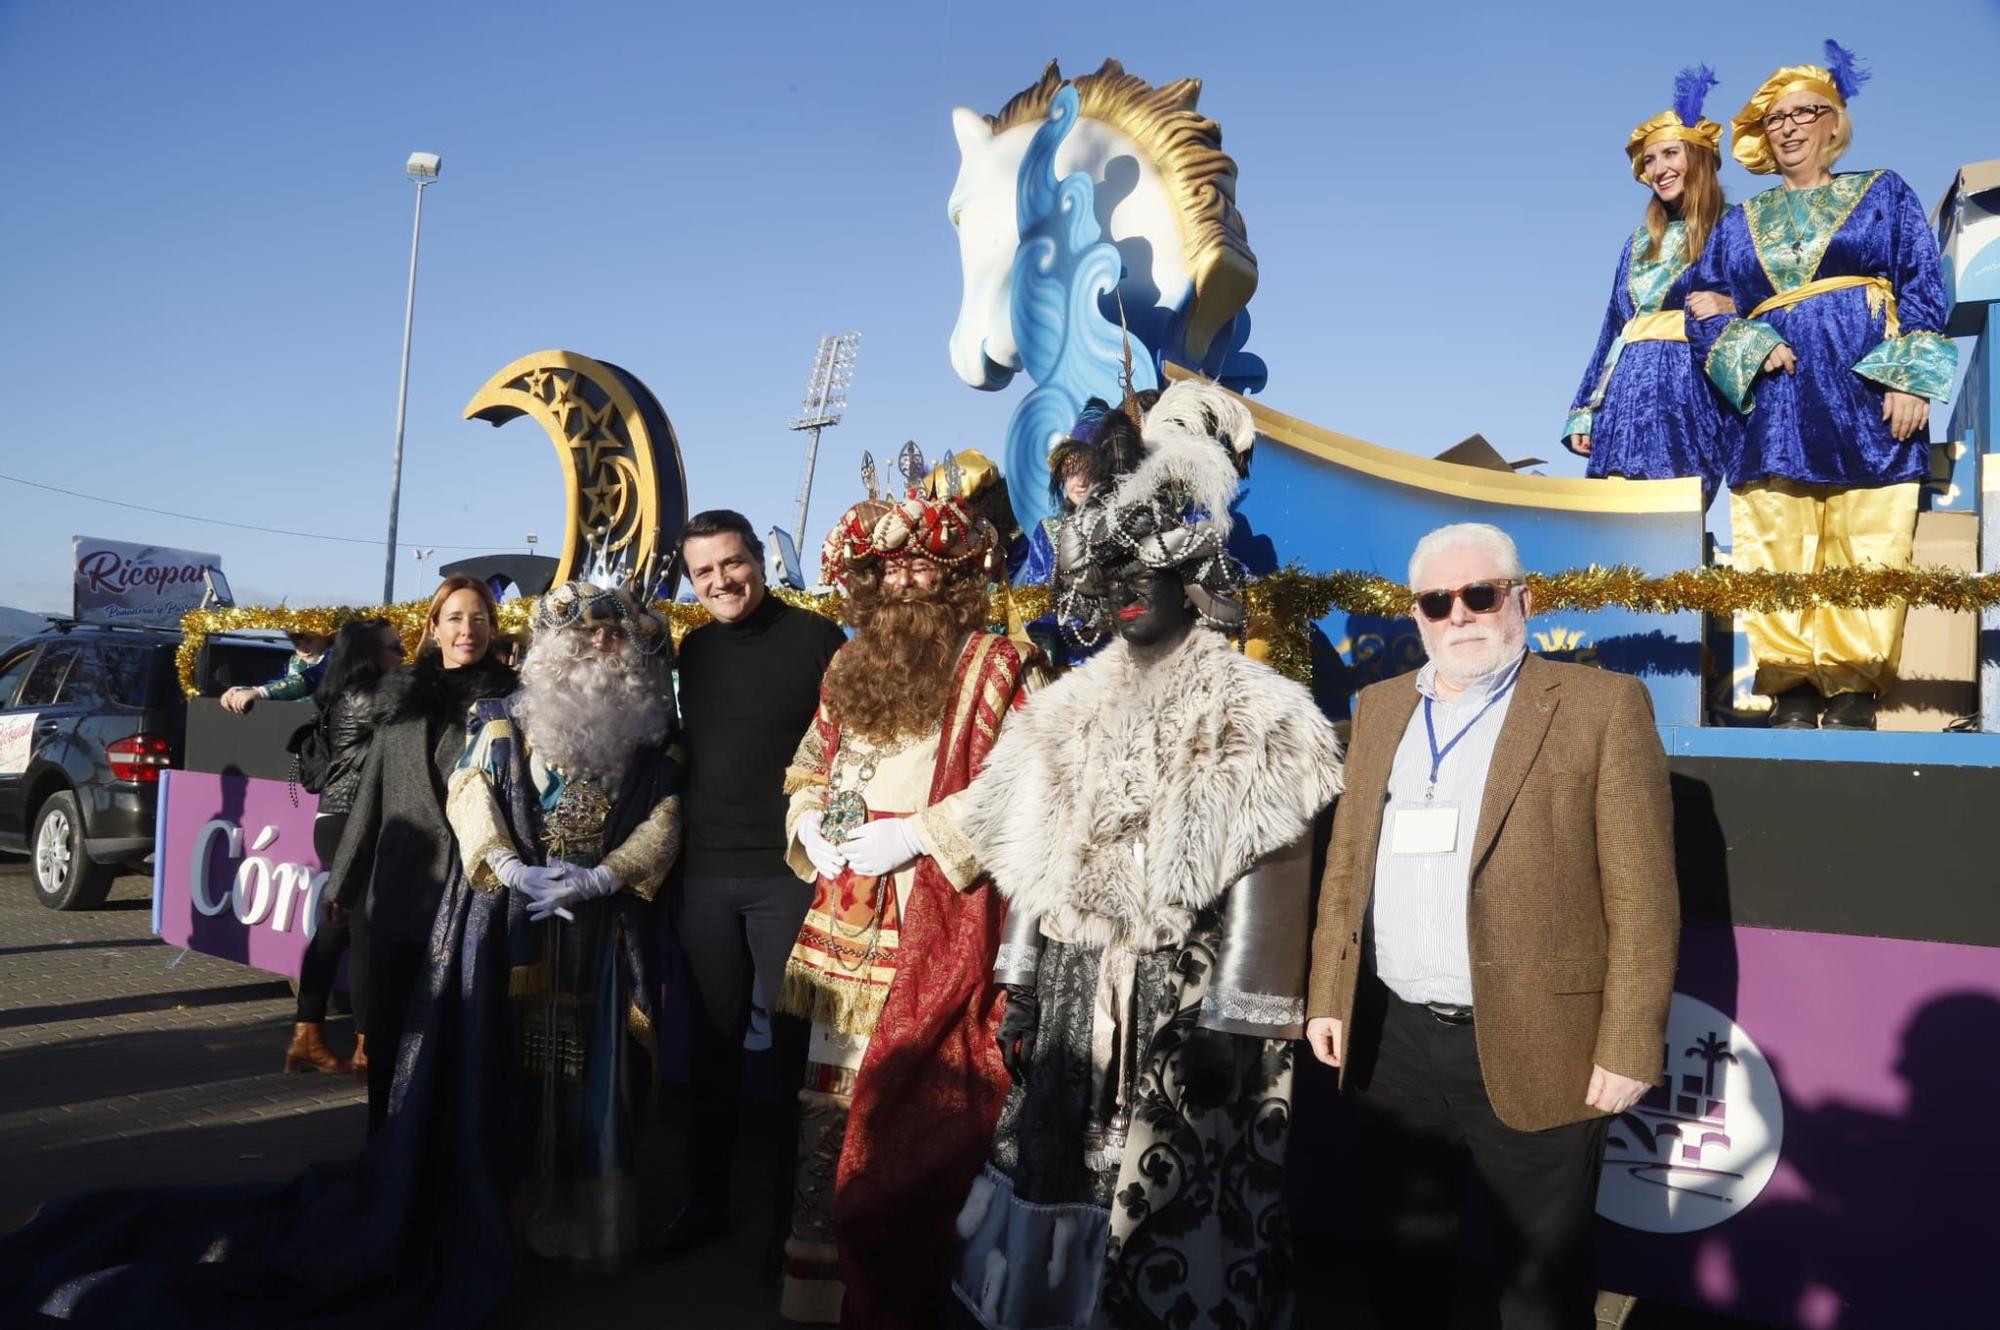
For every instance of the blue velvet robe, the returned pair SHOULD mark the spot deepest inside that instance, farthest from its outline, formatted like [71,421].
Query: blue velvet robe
[1649,411]
[1823,423]
[415,1231]
[583,989]
[1038,560]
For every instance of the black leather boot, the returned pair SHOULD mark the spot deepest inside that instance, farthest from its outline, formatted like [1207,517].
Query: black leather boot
[1849,711]
[1797,709]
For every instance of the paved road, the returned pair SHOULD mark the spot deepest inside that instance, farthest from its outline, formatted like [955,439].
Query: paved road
[124,1061]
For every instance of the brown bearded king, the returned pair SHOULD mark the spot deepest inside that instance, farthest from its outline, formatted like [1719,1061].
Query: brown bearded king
[892,967]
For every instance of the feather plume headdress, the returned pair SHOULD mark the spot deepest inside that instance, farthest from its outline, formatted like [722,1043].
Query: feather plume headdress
[1684,122]
[1171,512]
[1839,80]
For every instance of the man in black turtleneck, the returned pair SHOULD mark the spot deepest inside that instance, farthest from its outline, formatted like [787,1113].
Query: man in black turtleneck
[749,682]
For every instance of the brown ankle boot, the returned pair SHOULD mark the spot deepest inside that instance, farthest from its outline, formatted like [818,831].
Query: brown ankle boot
[309,1051]
[359,1062]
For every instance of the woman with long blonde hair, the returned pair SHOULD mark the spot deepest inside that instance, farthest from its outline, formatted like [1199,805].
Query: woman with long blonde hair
[1643,409]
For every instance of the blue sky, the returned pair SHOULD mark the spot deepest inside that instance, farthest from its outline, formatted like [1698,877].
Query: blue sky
[206,228]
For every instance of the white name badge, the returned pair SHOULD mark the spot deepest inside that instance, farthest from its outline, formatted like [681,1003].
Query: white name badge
[1423,829]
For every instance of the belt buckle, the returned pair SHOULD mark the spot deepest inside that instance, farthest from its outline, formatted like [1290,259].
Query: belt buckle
[1446,1013]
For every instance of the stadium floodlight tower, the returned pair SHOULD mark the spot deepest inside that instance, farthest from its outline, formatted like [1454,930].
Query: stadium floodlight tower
[422,168]
[826,398]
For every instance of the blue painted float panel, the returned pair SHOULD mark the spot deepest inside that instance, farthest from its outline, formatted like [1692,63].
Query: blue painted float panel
[1327,502]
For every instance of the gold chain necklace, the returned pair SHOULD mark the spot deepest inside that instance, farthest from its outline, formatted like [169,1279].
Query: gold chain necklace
[846,805]
[846,813]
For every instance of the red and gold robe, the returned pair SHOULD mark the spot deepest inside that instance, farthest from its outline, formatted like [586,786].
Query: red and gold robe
[892,1133]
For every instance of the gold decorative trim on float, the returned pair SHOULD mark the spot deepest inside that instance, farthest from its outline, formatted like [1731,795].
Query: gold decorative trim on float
[609,457]
[411,618]
[1286,603]
[1610,495]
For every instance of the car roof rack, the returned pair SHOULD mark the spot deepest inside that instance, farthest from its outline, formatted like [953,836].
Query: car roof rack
[68,623]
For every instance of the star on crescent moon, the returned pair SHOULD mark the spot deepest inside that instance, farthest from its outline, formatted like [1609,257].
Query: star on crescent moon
[603,498]
[565,403]
[595,439]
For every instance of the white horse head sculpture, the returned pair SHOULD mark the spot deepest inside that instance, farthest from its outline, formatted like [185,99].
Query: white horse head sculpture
[1165,195]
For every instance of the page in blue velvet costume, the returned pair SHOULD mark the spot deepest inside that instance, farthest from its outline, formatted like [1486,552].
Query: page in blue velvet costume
[417,1230]
[1842,271]
[1644,402]
[1823,424]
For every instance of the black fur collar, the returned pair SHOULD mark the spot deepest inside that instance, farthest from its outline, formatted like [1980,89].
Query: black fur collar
[430,690]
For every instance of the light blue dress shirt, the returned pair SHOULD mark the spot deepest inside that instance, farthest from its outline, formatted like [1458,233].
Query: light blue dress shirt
[1417,912]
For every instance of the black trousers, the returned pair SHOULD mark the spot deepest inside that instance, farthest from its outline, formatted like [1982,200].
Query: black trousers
[329,939]
[732,929]
[394,969]
[1421,1107]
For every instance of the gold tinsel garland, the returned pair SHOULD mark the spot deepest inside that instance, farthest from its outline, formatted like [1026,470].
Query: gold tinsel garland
[1284,604]
[411,619]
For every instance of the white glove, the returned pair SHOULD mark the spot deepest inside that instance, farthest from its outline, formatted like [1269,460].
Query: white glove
[517,874]
[827,858]
[883,846]
[573,887]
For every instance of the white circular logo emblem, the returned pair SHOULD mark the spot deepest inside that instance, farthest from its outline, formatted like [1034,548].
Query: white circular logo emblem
[1698,1150]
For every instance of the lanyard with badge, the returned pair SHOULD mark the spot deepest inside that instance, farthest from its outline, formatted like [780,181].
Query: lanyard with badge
[1431,827]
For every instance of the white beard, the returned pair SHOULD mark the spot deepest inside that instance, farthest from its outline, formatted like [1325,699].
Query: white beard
[585,712]
[1480,651]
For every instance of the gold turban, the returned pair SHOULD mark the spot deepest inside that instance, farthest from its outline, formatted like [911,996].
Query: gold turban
[1750,147]
[976,474]
[1667,126]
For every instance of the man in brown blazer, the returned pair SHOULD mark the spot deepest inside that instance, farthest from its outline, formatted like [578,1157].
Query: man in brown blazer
[1496,939]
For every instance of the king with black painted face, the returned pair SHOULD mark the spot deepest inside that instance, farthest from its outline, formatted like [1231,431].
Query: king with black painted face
[1150,605]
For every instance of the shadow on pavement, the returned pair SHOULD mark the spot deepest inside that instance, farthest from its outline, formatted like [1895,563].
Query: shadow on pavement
[119,1006]
[78,1071]
[81,945]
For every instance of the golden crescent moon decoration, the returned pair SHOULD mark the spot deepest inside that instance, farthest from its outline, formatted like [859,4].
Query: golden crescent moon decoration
[621,462]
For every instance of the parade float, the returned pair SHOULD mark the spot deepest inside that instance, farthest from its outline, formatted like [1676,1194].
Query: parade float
[1818,1152]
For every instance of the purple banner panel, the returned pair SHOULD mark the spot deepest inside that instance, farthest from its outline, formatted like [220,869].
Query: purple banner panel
[1822,1155]
[234,874]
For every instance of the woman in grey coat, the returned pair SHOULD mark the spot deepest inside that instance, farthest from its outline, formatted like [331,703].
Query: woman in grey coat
[396,854]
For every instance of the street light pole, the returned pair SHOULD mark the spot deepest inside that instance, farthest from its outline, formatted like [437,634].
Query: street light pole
[422,168]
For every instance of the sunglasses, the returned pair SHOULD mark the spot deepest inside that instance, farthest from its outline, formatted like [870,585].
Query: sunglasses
[1479,597]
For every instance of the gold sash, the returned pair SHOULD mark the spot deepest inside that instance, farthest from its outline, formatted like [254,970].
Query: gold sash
[1881,296]
[1663,325]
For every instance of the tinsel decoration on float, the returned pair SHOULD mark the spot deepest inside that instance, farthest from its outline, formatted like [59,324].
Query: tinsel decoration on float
[1283,605]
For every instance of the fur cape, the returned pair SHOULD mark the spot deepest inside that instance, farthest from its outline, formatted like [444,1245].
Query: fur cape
[1129,795]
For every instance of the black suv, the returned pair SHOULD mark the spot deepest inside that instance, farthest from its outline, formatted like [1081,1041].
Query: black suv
[89,717]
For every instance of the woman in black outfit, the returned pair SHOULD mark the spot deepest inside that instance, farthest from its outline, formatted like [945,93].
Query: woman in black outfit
[396,855]
[351,704]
